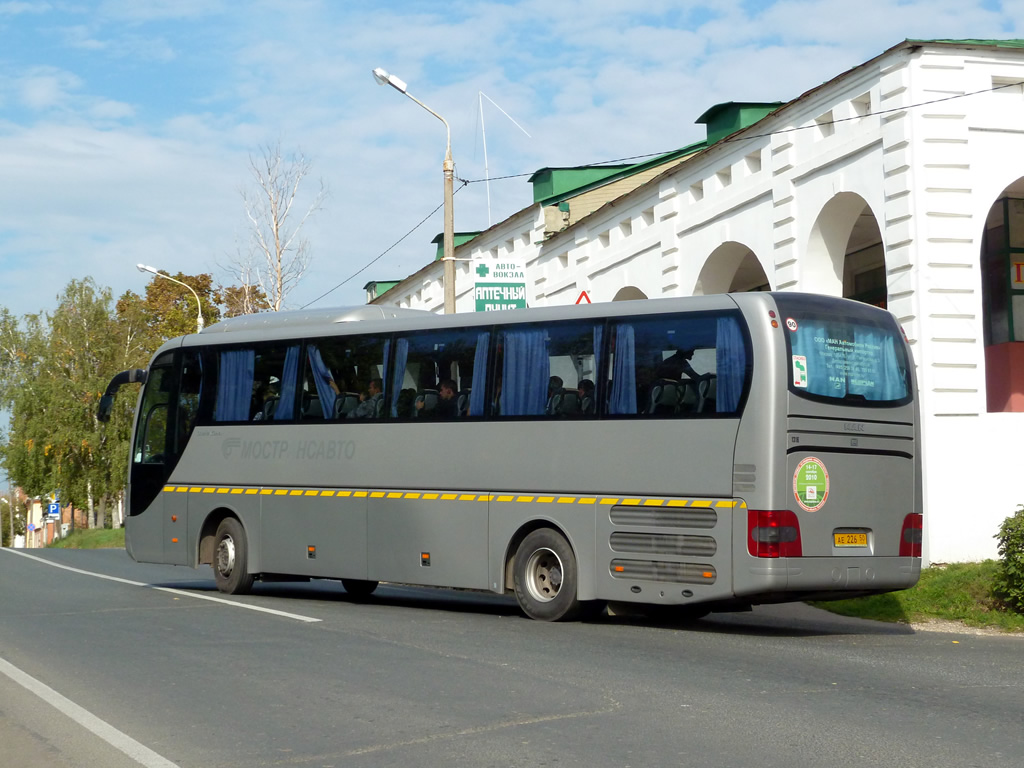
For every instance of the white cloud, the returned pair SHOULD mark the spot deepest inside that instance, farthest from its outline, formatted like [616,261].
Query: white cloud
[111,110]
[16,8]
[46,87]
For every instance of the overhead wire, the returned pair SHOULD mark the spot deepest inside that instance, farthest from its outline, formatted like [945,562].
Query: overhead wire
[382,254]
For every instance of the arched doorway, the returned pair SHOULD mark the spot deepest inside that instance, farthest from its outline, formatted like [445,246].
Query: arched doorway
[845,254]
[1002,290]
[629,293]
[731,268]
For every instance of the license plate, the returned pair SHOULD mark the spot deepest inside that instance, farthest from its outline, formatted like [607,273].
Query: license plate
[850,539]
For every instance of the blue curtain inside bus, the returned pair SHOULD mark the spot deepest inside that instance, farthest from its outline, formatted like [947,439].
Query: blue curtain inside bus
[234,385]
[476,395]
[730,365]
[884,380]
[525,373]
[322,378]
[286,403]
[623,395]
[401,358]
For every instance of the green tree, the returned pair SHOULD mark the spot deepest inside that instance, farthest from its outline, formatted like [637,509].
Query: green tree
[55,367]
[239,300]
[168,310]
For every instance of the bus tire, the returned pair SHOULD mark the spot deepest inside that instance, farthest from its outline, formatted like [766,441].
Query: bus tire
[358,589]
[545,577]
[231,558]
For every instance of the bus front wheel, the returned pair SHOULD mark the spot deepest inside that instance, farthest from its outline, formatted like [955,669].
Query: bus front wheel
[358,589]
[230,558]
[545,576]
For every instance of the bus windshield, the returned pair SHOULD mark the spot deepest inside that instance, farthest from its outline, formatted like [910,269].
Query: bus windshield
[858,357]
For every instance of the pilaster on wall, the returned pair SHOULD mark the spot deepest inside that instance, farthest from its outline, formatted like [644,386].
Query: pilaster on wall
[898,222]
[949,255]
[665,215]
[783,158]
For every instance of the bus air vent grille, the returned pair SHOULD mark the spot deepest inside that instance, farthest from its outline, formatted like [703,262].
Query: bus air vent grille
[744,477]
[664,544]
[665,517]
[658,570]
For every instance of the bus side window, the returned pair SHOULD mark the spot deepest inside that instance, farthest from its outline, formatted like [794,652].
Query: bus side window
[677,366]
[151,439]
[434,374]
[542,370]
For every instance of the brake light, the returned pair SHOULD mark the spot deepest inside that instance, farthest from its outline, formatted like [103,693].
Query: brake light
[912,535]
[773,533]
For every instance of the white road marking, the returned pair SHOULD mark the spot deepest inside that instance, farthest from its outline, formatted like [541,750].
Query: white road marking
[182,592]
[117,739]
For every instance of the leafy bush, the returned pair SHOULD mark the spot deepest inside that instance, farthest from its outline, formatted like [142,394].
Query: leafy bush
[1009,580]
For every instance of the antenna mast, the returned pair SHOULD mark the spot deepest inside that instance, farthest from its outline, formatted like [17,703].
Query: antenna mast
[483,131]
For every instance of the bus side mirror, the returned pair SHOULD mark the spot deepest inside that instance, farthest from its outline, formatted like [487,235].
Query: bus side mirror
[136,375]
[106,406]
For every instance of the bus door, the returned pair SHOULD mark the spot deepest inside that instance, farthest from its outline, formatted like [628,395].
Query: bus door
[144,526]
[184,409]
[155,529]
[851,453]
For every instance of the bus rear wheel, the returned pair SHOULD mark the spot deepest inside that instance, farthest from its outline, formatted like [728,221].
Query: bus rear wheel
[359,589]
[545,577]
[230,558]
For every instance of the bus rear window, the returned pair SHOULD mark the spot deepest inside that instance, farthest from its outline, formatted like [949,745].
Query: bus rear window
[857,355]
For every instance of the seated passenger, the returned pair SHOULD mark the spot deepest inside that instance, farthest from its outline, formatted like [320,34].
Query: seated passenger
[587,401]
[447,406]
[372,402]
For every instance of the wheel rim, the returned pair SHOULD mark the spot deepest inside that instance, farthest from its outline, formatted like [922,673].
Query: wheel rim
[226,556]
[544,575]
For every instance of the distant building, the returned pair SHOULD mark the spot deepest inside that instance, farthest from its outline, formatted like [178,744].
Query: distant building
[41,529]
[899,182]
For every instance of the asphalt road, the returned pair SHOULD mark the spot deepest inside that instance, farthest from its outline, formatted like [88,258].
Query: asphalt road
[151,671]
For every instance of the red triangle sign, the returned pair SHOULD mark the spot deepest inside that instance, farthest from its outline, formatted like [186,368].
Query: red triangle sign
[583,298]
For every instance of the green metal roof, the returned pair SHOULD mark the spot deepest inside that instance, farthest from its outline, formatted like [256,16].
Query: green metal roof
[1010,43]
[725,119]
[564,185]
[459,239]
[555,182]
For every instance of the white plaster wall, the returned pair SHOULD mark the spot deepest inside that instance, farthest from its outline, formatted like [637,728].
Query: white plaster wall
[968,151]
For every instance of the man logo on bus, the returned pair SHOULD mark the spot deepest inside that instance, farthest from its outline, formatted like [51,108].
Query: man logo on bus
[229,445]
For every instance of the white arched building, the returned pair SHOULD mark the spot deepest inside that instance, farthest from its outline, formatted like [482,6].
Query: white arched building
[899,182]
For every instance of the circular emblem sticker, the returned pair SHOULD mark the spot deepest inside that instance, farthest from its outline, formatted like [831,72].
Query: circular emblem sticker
[791,323]
[810,484]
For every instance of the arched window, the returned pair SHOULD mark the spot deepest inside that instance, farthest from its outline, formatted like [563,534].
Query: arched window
[1002,285]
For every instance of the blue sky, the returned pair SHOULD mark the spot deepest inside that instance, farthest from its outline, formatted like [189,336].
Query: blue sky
[126,125]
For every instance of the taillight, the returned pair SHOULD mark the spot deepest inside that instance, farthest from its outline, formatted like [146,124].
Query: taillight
[912,535]
[773,533]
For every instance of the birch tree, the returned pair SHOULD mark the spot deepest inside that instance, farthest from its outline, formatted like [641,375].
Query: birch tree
[278,253]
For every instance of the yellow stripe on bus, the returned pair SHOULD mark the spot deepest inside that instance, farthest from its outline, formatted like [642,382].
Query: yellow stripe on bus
[454,496]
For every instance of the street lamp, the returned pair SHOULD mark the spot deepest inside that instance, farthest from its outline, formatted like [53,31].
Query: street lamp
[383,77]
[199,307]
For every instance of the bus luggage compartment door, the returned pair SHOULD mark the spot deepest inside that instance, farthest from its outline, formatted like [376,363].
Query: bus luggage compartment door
[851,502]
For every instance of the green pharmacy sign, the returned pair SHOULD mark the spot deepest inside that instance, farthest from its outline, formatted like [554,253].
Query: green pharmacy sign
[499,285]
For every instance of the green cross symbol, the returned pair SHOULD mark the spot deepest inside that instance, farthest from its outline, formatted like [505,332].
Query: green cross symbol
[483,270]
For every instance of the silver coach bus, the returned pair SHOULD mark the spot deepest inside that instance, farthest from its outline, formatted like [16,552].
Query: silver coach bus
[684,455]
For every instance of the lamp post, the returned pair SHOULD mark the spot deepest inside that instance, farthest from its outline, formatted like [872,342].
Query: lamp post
[383,77]
[199,307]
